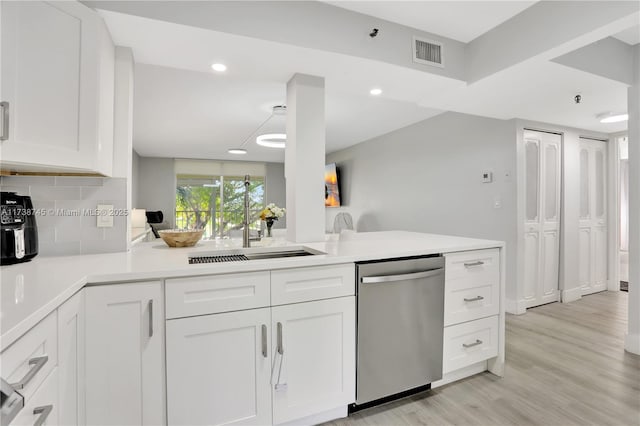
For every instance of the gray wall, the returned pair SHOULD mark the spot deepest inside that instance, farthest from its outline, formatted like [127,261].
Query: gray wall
[276,191]
[427,177]
[65,225]
[157,187]
[135,177]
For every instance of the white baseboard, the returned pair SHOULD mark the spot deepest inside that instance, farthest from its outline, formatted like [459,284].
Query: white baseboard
[456,375]
[632,343]
[571,295]
[325,416]
[515,307]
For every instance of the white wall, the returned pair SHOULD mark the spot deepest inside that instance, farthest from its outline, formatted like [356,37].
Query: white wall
[427,177]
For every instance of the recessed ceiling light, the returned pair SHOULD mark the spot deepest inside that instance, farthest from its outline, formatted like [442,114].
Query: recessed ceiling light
[375,92]
[219,67]
[272,140]
[237,151]
[610,117]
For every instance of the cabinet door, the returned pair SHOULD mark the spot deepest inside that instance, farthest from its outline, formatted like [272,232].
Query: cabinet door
[125,354]
[55,67]
[71,361]
[314,366]
[218,369]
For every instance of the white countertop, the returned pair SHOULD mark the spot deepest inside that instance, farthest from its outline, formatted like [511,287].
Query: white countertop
[32,290]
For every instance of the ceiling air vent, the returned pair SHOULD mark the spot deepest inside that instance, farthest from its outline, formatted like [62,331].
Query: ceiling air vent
[427,52]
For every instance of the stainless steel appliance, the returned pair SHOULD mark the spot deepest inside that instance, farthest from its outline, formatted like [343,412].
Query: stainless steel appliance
[400,328]
[18,230]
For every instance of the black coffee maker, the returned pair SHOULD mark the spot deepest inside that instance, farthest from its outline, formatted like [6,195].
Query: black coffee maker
[18,229]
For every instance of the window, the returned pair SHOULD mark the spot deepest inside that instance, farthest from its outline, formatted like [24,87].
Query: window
[216,202]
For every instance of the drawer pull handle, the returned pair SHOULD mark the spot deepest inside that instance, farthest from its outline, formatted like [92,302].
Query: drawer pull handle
[150,308]
[37,364]
[472,264]
[279,346]
[474,299]
[264,340]
[4,116]
[470,345]
[44,412]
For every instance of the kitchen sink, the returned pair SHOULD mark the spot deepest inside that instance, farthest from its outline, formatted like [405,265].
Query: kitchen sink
[243,255]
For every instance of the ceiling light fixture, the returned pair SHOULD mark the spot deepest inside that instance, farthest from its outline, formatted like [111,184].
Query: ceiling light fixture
[219,67]
[272,140]
[237,151]
[610,117]
[376,91]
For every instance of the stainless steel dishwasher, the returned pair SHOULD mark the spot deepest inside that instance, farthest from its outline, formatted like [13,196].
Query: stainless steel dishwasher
[400,326]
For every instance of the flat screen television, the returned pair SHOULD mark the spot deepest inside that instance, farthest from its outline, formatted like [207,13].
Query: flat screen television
[331,186]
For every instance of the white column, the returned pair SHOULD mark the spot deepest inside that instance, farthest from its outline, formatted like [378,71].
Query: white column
[123,124]
[632,340]
[305,158]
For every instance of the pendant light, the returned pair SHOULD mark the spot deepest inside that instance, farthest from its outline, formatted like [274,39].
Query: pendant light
[271,140]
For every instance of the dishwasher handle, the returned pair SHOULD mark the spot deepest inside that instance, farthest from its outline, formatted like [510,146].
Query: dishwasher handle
[402,277]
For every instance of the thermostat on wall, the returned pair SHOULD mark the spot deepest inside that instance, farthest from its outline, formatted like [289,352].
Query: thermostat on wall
[487,177]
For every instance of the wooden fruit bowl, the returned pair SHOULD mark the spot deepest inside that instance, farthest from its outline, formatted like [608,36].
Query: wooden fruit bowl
[181,238]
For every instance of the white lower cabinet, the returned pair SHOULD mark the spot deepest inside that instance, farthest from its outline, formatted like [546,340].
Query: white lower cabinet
[42,408]
[229,368]
[71,361]
[218,369]
[125,369]
[473,317]
[314,357]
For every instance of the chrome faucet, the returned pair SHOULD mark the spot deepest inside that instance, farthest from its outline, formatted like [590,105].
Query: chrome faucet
[245,231]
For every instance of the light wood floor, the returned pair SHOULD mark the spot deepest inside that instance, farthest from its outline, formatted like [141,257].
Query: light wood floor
[565,365]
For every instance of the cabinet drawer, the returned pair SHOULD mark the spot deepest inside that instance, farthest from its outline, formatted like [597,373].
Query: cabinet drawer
[468,343]
[26,356]
[216,293]
[306,284]
[474,266]
[43,403]
[466,300]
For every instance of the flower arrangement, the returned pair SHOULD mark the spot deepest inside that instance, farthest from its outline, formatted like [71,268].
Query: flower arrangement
[270,214]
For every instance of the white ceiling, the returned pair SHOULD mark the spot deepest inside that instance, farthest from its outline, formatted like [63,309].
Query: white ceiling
[181,113]
[630,35]
[459,20]
[183,109]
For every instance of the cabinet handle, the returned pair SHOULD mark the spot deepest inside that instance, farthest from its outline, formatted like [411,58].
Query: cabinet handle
[150,307]
[4,115]
[280,348]
[402,277]
[470,345]
[264,340]
[44,412]
[471,264]
[37,364]
[474,299]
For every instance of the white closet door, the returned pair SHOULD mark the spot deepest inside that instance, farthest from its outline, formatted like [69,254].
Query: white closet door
[593,216]
[542,217]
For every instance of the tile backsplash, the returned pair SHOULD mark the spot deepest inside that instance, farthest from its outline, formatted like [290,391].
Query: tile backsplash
[64,205]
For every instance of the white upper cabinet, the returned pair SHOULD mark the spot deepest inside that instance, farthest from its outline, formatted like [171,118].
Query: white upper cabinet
[57,88]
